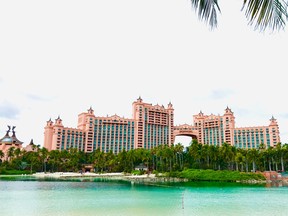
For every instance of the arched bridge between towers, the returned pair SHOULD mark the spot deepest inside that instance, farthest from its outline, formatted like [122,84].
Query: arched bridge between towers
[185,130]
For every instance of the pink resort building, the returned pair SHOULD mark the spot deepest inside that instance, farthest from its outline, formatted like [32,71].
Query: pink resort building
[216,129]
[153,125]
[9,141]
[150,126]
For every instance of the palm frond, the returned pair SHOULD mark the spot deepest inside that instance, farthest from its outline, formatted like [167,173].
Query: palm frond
[207,10]
[266,13]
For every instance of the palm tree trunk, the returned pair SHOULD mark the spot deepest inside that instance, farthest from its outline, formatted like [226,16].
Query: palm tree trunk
[282,164]
[237,166]
[148,165]
[270,166]
[246,166]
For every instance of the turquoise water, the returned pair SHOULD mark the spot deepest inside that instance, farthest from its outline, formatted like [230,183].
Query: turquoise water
[106,197]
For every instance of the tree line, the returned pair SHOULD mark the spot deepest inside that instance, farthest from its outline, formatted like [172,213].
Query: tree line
[163,158]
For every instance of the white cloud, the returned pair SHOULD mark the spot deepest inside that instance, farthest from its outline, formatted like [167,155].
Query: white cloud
[8,111]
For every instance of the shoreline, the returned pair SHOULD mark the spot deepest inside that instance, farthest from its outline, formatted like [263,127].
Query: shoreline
[145,178]
[117,176]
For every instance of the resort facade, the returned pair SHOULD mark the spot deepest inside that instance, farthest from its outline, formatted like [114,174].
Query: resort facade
[215,130]
[151,126]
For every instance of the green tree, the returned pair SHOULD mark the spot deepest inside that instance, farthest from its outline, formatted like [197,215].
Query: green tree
[260,13]
[1,155]
[54,160]
[11,153]
[194,151]
[43,156]
[33,160]
[281,152]
[253,156]
[178,149]
[226,154]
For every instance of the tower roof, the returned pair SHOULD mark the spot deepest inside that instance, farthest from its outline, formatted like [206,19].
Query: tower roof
[139,99]
[10,139]
[272,118]
[228,110]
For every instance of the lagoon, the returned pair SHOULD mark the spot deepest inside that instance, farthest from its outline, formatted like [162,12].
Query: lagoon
[99,196]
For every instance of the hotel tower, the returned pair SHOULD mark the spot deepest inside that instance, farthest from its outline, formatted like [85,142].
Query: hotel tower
[150,126]
[215,130]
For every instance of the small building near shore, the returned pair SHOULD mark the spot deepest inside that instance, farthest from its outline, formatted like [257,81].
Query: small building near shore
[31,147]
[141,167]
[87,168]
[8,142]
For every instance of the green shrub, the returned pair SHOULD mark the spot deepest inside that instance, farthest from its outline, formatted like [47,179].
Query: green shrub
[225,175]
[13,172]
[136,172]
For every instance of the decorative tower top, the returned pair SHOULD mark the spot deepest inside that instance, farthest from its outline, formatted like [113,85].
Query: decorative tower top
[228,110]
[13,132]
[58,121]
[90,110]
[8,131]
[170,105]
[49,123]
[273,121]
[201,113]
[139,99]
[31,142]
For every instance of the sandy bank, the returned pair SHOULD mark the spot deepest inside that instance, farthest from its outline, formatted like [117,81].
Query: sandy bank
[151,178]
[72,174]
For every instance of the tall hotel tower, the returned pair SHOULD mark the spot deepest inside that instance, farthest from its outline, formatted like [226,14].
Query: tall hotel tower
[215,130]
[150,126]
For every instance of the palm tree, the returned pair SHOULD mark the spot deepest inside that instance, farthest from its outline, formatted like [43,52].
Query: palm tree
[226,154]
[131,158]
[1,155]
[179,154]
[253,156]
[43,154]
[194,151]
[283,156]
[260,13]
[32,159]
[281,151]
[11,153]
[54,160]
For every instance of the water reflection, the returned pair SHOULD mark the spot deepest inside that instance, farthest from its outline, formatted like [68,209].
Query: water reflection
[275,183]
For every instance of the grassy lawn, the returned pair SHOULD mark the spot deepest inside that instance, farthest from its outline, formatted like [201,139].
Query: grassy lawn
[219,175]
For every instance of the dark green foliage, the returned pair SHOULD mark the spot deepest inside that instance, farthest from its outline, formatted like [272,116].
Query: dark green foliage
[219,175]
[236,164]
[262,14]
[13,172]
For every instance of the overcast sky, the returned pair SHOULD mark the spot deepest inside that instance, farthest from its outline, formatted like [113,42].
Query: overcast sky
[60,57]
